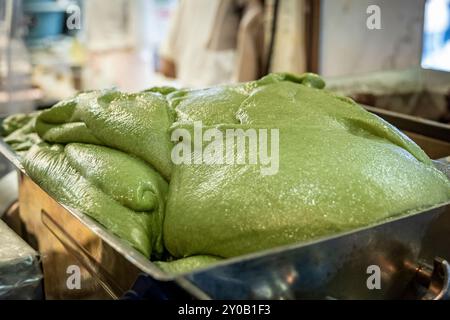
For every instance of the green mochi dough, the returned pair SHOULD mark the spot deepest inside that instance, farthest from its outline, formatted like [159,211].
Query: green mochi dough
[15,122]
[186,265]
[63,124]
[20,133]
[48,166]
[340,168]
[134,123]
[126,179]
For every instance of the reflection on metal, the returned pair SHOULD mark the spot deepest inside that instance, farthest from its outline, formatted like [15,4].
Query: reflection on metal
[436,280]
[337,267]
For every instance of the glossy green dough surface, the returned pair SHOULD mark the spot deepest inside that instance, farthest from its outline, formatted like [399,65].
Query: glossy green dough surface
[126,179]
[18,131]
[134,123]
[50,168]
[15,122]
[63,124]
[340,168]
[186,265]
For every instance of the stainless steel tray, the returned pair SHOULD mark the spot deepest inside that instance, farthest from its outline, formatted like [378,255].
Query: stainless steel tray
[337,267]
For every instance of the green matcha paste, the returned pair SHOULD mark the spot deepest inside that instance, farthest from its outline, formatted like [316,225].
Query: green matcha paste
[340,167]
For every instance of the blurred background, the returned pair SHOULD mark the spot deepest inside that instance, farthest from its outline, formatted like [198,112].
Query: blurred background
[51,49]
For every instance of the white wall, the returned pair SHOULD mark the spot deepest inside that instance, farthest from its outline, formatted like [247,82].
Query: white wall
[348,47]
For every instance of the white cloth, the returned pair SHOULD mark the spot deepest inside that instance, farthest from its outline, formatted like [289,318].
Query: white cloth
[187,45]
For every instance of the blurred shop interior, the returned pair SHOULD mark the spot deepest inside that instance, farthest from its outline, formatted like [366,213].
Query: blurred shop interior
[52,49]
